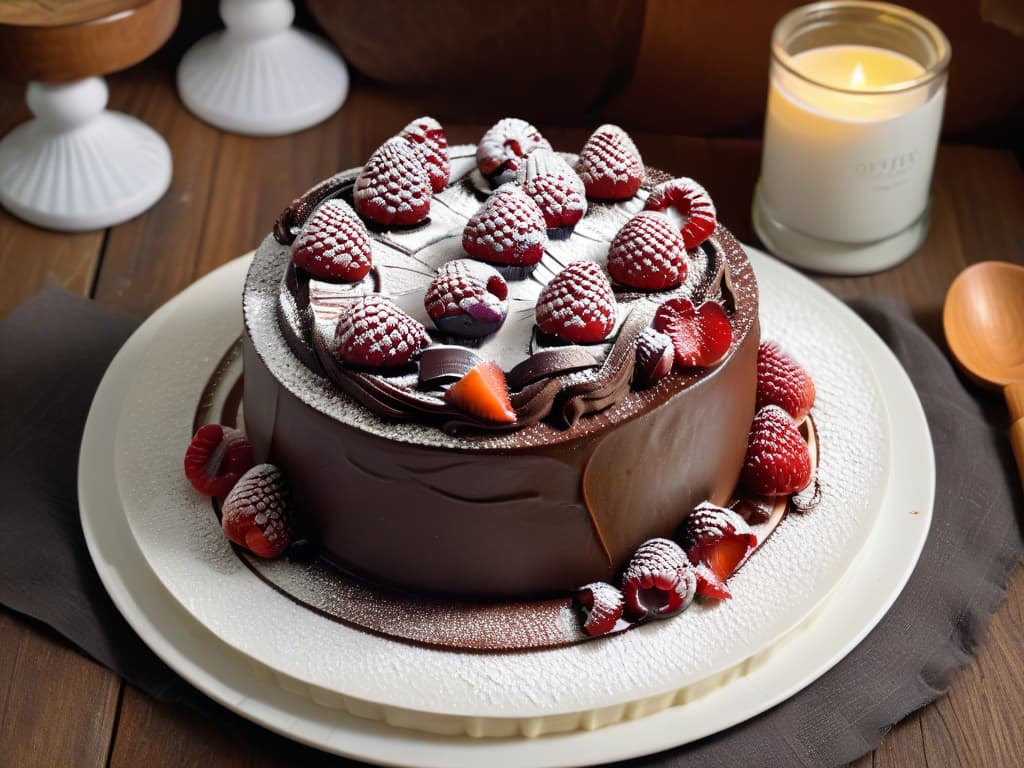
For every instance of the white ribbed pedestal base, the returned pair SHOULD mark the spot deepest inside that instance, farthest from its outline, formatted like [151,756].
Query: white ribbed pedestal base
[260,76]
[77,166]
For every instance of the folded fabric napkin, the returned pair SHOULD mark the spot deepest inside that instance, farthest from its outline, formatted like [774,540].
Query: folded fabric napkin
[55,348]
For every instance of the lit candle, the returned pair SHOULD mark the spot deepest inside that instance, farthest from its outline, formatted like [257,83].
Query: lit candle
[850,138]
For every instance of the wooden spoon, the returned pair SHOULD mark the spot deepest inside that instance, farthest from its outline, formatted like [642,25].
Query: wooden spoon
[984,322]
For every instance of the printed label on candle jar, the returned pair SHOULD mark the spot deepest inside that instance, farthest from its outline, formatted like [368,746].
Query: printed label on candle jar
[848,167]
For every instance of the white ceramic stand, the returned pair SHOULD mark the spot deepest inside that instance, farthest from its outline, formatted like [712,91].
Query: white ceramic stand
[260,76]
[77,166]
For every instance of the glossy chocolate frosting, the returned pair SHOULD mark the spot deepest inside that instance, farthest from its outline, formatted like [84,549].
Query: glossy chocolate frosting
[590,470]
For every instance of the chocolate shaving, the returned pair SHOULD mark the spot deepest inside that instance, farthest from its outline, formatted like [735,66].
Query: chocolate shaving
[550,362]
[441,364]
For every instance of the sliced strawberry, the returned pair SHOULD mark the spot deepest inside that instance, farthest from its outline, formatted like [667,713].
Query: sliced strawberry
[555,187]
[601,607]
[693,202]
[483,393]
[255,514]
[610,165]
[659,581]
[508,229]
[782,381]
[647,253]
[701,336]
[393,188]
[374,333]
[505,145]
[216,458]
[578,304]
[467,299]
[716,540]
[778,461]
[427,137]
[333,244]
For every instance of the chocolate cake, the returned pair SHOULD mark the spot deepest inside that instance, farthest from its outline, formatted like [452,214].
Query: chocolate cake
[600,448]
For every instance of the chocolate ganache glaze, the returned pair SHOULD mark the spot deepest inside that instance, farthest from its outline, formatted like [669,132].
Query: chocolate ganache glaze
[400,487]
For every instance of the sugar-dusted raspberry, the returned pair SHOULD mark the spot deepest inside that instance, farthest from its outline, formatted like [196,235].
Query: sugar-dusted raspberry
[578,304]
[467,299]
[428,138]
[333,244]
[782,381]
[600,605]
[717,540]
[555,187]
[778,461]
[508,229]
[216,458]
[655,357]
[393,188]
[659,581]
[610,165]
[648,254]
[506,144]
[255,514]
[374,333]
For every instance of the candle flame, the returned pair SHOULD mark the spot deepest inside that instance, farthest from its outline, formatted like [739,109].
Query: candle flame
[857,79]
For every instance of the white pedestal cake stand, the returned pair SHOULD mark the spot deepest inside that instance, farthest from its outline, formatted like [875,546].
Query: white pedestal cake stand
[283,704]
[77,166]
[261,76]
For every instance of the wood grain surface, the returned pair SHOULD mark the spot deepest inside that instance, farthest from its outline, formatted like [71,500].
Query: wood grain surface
[58,708]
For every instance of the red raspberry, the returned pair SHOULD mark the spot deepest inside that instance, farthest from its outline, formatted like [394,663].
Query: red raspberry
[701,336]
[610,165]
[717,540]
[333,244]
[578,304]
[654,357]
[659,581]
[374,333]
[648,254]
[555,187]
[216,458]
[778,461]
[505,145]
[693,202]
[255,513]
[427,137]
[508,229]
[467,299]
[782,381]
[601,607]
[393,187]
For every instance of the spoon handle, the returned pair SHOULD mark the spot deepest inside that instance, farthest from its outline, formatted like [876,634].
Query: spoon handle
[1015,400]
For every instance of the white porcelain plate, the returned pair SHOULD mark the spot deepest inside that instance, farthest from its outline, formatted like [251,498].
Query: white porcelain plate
[193,632]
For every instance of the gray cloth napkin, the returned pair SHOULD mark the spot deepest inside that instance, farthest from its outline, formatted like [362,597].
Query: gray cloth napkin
[54,349]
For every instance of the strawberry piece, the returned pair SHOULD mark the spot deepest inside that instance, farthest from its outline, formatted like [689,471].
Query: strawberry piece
[693,202]
[655,355]
[701,336]
[782,381]
[600,605]
[508,229]
[648,254]
[393,188]
[467,299]
[255,513]
[333,244]
[374,333]
[659,581]
[578,304]
[428,139]
[216,458]
[610,165]
[555,187]
[505,145]
[483,393]
[778,461]
[717,540]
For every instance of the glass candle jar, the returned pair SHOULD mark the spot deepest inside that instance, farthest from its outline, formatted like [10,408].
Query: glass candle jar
[854,111]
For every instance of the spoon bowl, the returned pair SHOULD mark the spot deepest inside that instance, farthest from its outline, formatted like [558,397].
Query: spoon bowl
[983,319]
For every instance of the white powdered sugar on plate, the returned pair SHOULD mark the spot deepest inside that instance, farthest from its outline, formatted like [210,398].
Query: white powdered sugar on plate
[774,592]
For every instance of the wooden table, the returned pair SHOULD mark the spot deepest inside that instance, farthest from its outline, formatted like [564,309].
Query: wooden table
[59,708]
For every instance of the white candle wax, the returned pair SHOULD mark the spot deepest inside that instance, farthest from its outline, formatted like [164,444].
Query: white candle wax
[843,165]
